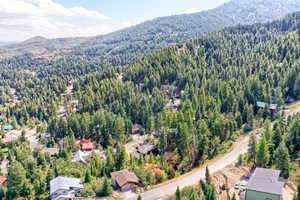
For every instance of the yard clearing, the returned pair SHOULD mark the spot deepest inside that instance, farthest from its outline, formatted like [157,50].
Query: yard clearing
[230,176]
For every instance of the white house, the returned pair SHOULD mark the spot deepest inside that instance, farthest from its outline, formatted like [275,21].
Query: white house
[65,188]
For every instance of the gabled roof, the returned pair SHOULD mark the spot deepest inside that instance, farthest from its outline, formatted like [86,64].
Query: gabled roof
[86,144]
[2,180]
[63,183]
[123,177]
[265,180]
[51,151]
[146,148]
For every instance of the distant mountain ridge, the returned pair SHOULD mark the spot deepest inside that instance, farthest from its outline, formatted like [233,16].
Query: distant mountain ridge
[7,43]
[125,46]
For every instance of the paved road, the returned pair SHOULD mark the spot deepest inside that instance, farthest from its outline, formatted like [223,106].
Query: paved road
[193,178]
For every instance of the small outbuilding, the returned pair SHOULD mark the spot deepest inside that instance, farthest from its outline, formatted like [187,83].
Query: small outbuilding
[8,127]
[124,180]
[50,151]
[136,128]
[146,149]
[272,107]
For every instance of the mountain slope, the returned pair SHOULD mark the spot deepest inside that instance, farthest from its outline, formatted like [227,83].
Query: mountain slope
[127,45]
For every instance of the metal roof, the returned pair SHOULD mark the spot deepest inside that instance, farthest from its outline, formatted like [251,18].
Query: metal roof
[63,183]
[265,180]
[261,104]
[146,148]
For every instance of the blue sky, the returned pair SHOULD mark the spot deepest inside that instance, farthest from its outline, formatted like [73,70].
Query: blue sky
[22,19]
[135,11]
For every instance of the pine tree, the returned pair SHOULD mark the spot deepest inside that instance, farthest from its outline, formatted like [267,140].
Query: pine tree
[276,138]
[262,156]
[110,161]
[107,188]
[282,160]
[2,192]
[207,176]
[233,197]
[178,194]
[87,177]
[252,147]
[211,194]
[16,179]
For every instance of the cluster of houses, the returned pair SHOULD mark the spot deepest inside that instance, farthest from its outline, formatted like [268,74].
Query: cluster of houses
[68,188]
[264,184]
[139,145]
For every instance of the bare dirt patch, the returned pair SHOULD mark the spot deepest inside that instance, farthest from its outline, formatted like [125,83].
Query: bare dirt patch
[226,179]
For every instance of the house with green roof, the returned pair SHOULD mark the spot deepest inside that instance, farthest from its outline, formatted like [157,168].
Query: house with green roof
[264,185]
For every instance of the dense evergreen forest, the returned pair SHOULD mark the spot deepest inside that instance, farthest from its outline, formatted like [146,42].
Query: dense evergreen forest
[77,56]
[217,80]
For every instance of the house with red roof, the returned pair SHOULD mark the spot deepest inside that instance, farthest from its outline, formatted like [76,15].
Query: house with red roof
[86,145]
[2,180]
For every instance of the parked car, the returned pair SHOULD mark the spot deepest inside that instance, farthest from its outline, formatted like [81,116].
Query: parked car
[237,186]
[241,185]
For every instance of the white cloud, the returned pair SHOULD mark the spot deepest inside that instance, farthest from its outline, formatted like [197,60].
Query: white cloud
[21,19]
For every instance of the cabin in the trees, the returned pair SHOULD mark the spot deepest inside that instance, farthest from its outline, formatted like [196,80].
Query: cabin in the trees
[146,149]
[50,151]
[264,184]
[272,107]
[136,129]
[65,188]
[168,89]
[8,127]
[124,180]
[86,145]
[173,104]
[2,180]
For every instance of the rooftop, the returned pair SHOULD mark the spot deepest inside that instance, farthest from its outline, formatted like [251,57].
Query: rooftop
[265,180]
[2,180]
[63,183]
[123,177]
[261,104]
[8,127]
[51,151]
[146,148]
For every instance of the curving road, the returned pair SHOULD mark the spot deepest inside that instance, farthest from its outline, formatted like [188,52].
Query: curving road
[192,178]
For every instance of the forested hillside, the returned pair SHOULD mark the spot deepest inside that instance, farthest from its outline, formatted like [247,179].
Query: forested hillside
[76,56]
[191,101]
